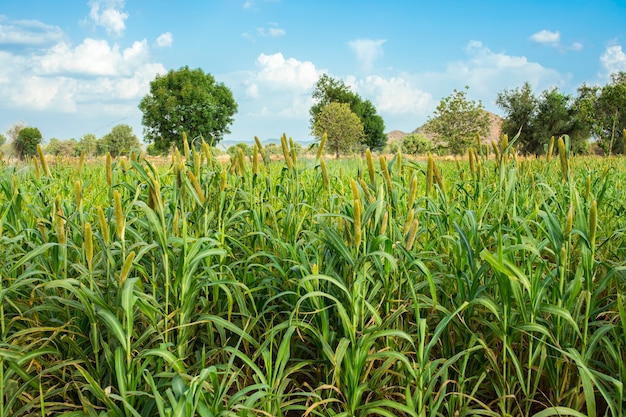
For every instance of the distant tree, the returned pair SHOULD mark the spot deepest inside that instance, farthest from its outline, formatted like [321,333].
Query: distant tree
[416,144]
[87,144]
[245,148]
[3,139]
[539,118]
[187,101]
[519,106]
[330,90]
[26,142]
[343,128]
[603,109]
[53,147]
[457,121]
[120,140]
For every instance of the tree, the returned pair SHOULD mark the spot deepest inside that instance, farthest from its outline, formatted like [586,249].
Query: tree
[87,144]
[187,101]
[120,139]
[602,109]
[3,139]
[416,144]
[539,118]
[457,121]
[342,127]
[26,142]
[329,90]
[519,107]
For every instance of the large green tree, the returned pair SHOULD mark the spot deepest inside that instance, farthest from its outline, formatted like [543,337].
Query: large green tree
[119,140]
[26,142]
[456,122]
[538,118]
[342,127]
[604,110]
[187,101]
[330,90]
[87,144]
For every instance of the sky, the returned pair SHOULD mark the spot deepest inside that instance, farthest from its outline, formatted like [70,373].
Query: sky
[75,67]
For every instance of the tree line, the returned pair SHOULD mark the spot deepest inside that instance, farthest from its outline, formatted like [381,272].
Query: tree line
[193,102]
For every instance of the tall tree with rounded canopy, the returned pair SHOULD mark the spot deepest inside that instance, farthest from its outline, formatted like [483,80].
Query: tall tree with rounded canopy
[120,139]
[457,121]
[26,142]
[187,101]
[343,128]
[330,90]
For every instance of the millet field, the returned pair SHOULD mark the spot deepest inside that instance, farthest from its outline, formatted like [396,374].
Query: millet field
[490,285]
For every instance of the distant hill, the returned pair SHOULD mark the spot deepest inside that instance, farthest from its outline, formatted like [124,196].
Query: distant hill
[494,131]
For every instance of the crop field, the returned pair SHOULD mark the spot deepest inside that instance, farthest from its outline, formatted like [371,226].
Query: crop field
[491,286]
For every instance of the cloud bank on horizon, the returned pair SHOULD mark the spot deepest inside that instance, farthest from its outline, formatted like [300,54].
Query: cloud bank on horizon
[73,71]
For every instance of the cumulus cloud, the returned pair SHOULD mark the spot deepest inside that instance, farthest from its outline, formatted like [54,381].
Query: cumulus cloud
[396,95]
[28,33]
[367,50]
[279,73]
[109,14]
[488,72]
[65,78]
[546,37]
[94,57]
[165,40]
[613,59]
[553,39]
[279,89]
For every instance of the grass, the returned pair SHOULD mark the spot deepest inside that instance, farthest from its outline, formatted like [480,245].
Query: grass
[492,286]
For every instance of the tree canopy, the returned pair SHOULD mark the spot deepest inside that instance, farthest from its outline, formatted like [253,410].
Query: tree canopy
[119,140]
[457,121]
[342,126]
[187,101]
[330,90]
[416,144]
[541,117]
[26,142]
[603,109]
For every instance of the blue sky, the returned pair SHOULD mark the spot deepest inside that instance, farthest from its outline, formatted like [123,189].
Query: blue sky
[82,66]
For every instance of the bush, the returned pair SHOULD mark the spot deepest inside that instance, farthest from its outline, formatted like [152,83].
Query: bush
[416,144]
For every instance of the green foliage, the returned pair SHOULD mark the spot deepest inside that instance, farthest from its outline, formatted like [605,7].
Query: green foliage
[328,90]
[342,127]
[187,101]
[120,140]
[602,109]
[65,148]
[26,142]
[457,121]
[332,289]
[245,148]
[87,144]
[3,139]
[540,118]
[416,144]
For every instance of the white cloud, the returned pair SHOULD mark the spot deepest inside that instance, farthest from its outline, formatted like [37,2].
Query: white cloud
[94,57]
[549,38]
[265,32]
[489,72]
[248,4]
[279,73]
[29,33]
[109,15]
[546,37]
[367,50]
[396,96]
[613,59]
[165,40]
